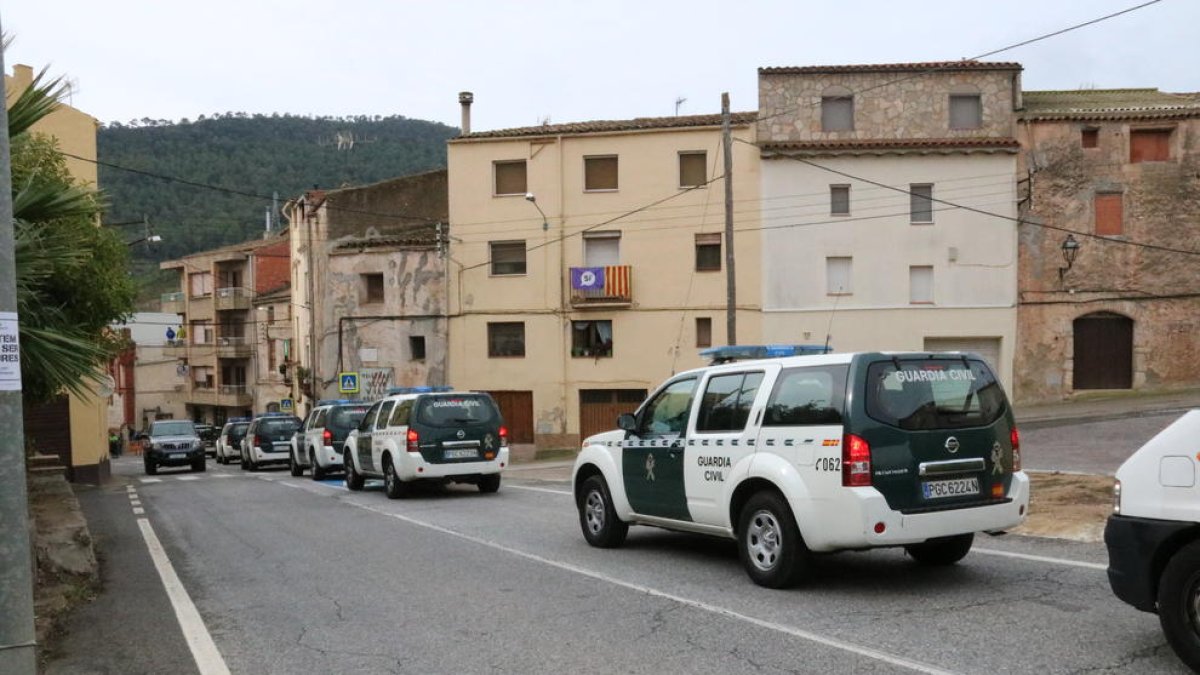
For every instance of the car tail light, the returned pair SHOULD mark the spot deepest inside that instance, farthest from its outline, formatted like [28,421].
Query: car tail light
[503,436]
[259,441]
[413,439]
[856,462]
[1015,438]
[327,437]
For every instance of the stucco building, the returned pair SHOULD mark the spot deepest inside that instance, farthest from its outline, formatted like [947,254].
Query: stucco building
[587,263]
[369,286]
[864,171]
[217,344]
[1117,171]
[146,382]
[82,445]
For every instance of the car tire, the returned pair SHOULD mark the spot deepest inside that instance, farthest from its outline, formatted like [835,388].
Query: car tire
[294,466]
[220,457]
[354,479]
[769,542]
[393,487]
[941,552]
[1178,593]
[489,483]
[151,468]
[242,462]
[597,517]
[317,472]
[200,466]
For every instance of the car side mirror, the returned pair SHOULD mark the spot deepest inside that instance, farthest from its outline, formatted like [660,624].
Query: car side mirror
[627,422]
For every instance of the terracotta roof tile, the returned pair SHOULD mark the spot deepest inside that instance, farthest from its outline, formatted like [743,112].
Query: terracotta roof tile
[601,126]
[1108,104]
[876,146]
[891,67]
[416,239]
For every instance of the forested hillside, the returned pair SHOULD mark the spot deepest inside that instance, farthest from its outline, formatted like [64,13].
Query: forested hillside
[257,154]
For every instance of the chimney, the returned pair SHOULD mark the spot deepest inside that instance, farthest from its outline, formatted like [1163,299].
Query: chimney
[22,77]
[466,98]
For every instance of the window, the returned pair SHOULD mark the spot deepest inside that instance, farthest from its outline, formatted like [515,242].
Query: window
[839,200]
[318,420]
[385,413]
[920,284]
[933,394]
[1149,145]
[591,338]
[966,111]
[807,396]
[837,276]
[708,252]
[200,284]
[1089,138]
[401,414]
[508,257]
[921,203]
[270,355]
[510,177]
[693,169]
[1110,213]
[506,338]
[600,173]
[726,402]
[372,287]
[703,331]
[416,347]
[837,113]
[203,377]
[667,413]
[601,249]
[368,420]
[202,333]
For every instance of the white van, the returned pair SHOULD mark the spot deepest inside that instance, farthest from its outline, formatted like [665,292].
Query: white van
[792,456]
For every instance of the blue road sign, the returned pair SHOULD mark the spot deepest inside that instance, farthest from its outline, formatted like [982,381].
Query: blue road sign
[286,405]
[348,383]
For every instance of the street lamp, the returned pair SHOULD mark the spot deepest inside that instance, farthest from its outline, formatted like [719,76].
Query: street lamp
[533,200]
[1070,249]
[152,239]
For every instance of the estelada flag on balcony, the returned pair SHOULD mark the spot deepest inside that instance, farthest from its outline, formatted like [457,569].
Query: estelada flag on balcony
[588,278]
[611,281]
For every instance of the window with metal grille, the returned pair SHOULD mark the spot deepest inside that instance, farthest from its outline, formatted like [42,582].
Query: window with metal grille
[600,173]
[510,177]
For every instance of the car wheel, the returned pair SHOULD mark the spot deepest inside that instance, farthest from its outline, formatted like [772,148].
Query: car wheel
[392,485]
[601,526]
[1179,604]
[151,468]
[294,466]
[769,542]
[199,465]
[941,552]
[220,456]
[243,463]
[354,480]
[489,483]
[317,472]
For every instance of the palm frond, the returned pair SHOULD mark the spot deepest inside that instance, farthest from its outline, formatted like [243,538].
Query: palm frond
[35,103]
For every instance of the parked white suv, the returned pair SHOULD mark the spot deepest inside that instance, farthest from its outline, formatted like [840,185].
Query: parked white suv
[419,434]
[319,442]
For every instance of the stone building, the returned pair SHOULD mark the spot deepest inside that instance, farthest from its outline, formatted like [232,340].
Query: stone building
[369,286]
[1114,176]
[863,170]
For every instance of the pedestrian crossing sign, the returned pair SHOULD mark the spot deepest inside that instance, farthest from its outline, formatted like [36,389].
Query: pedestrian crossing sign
[348,383]
[286,405]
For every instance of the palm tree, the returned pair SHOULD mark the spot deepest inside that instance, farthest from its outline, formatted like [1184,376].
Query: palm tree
[71,275]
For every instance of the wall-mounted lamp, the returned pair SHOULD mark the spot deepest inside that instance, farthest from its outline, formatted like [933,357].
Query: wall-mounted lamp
[152,239]
[1070,249]
[533,200]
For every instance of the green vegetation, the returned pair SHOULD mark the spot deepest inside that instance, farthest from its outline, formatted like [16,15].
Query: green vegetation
[72,278]
[257,154]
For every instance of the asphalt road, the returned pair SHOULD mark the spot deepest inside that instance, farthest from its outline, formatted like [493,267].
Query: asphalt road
[1089,447]
[292,576]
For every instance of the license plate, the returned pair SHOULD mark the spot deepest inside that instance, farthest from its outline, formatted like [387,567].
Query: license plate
[958,487]
[460,453]
[177,456]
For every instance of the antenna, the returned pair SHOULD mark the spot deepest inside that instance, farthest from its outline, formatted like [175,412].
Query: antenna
[679,100]
[829,328]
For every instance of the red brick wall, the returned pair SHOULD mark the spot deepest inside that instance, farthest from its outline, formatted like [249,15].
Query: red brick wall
[272,267]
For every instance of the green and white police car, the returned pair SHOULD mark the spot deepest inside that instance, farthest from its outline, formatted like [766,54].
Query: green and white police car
[813,454]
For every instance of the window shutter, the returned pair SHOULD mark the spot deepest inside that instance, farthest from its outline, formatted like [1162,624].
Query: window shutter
[837,276]
[966,111]
[693,169]
[837,113]
[510,178]
[1150,145]
[920,284]
[921,203]
[600,173]
[839,200]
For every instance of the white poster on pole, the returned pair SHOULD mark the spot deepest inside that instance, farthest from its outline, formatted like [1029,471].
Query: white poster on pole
[10,353]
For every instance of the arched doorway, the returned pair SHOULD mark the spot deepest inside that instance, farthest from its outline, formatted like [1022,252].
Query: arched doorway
[1103,351]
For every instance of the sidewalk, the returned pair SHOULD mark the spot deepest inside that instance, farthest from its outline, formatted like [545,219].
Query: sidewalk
[1106,405]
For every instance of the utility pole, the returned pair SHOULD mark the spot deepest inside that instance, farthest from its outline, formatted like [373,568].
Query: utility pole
[18,653]
[730,277]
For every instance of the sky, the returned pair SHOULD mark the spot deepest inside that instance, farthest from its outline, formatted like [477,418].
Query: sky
[560,60]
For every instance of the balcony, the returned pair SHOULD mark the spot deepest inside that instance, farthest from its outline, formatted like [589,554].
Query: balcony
[231,298]
[175,348]
[173,303]
[280,330]
[234,347]
[234,395]
[601,287]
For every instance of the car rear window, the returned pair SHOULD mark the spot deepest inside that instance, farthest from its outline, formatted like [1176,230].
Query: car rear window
[346,417]
[238,430]
[278,428]
[456,410]
[172,429]
[933,394]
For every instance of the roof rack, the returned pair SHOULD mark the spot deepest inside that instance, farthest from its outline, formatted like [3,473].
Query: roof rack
[237,419]
[418,390]
[730,353]
[340,401]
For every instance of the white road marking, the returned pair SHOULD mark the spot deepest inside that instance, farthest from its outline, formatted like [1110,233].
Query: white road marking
[130,488]
[189,477]
[1041,558]
[538,489]
[137,510]
[834,643]
[222,475]
[151,480]
[135,502]
[204,650]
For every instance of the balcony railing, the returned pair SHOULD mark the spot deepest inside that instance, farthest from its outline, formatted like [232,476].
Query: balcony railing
[233,346]
[280,330]
[607,286]
[234,297]
[172,302]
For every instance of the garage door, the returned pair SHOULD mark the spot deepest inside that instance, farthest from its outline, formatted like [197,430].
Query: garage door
[599,408]
[1103,351]
[517,409]
[988,348]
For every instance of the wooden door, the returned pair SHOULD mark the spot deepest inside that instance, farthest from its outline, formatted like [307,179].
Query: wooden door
[1103,351]
[599,408]
[517,409]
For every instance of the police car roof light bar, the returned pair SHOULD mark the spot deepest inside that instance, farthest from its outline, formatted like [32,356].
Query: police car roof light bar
[731,353]
[418,390]
[339,401]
